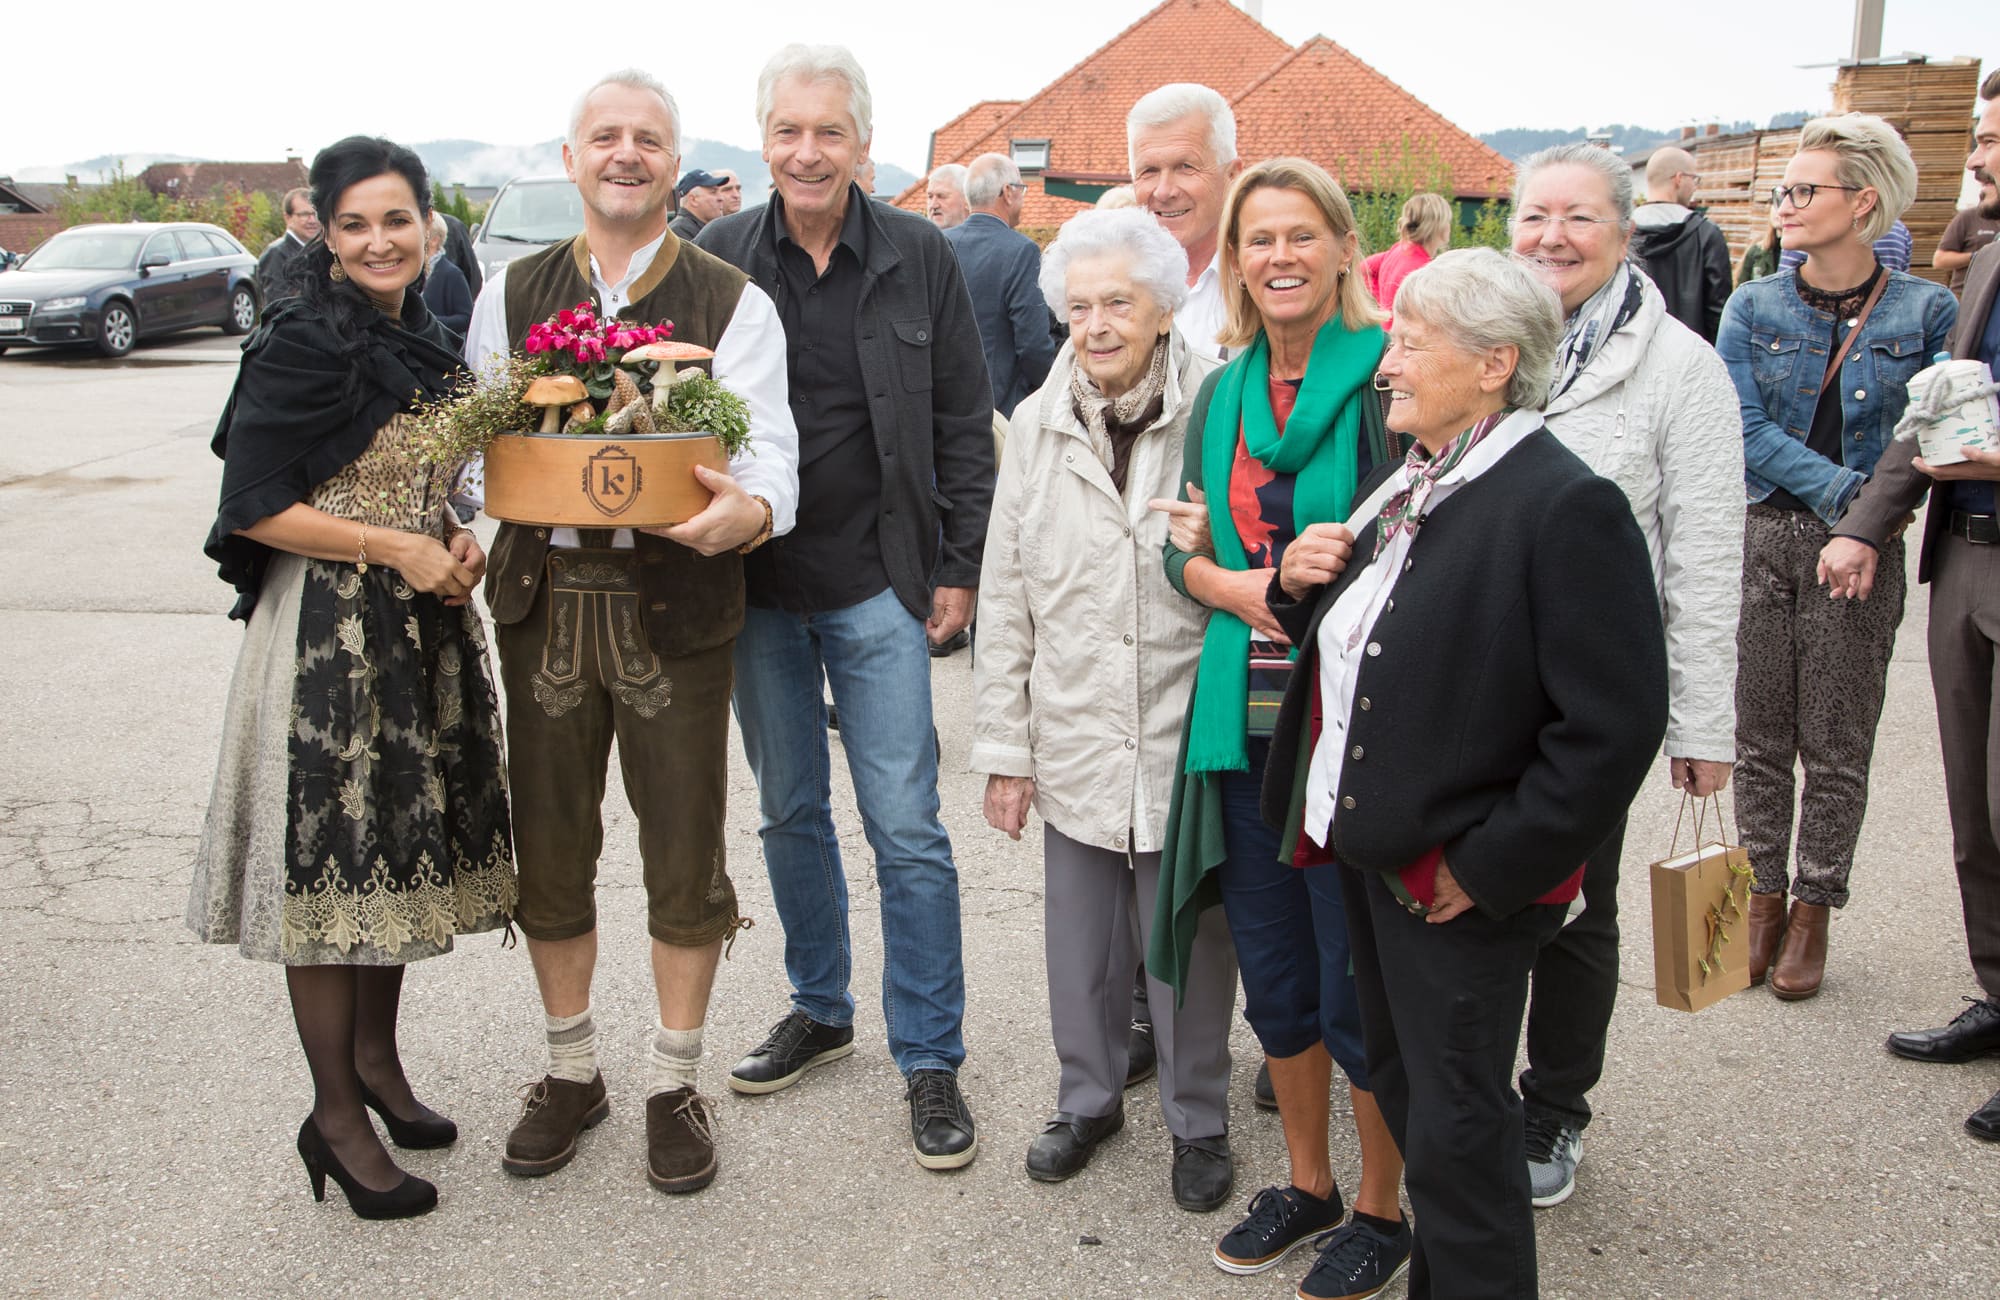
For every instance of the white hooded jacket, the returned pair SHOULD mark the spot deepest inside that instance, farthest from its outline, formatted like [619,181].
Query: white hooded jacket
[1656,414]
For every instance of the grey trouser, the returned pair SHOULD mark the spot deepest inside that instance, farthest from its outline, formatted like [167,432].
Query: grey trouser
[1810,676]
[1964,636]
[1098,917]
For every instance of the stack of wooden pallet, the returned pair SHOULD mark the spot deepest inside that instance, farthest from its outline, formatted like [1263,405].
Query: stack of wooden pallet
[1737,174]
[1932,104]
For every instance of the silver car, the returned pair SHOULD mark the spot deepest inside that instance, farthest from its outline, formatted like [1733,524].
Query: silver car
[528,214]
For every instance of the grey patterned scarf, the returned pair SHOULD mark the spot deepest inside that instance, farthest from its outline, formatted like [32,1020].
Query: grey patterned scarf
[1115,422]
[1615,303]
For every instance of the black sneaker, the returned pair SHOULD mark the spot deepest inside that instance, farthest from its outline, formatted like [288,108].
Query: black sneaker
[795,1044]
[1142,1055]
[1281,1219]
[1356,1261]
[940,1122]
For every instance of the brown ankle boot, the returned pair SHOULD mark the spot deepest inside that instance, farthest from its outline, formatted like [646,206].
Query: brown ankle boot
[1767,926]
[1802,957]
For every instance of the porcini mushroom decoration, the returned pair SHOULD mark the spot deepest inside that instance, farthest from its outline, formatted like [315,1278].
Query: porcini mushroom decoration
[666,353]
[552,393]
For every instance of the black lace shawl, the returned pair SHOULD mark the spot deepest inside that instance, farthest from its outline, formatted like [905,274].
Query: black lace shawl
[308,400]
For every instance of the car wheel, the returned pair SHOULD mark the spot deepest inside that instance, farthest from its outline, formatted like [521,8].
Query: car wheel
[242,311]
[117,330]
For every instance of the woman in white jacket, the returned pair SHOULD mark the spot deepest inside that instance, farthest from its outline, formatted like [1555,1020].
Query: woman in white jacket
[1086,655]
[1645,403]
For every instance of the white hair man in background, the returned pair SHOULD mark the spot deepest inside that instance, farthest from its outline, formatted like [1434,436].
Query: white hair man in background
[1001,267]
[1182,141]
[945,196]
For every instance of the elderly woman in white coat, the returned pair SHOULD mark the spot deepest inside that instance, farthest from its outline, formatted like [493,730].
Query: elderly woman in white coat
[1645,403]
[1086,656]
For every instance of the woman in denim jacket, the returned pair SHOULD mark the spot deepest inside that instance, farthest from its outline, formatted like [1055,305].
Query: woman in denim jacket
[1811,668]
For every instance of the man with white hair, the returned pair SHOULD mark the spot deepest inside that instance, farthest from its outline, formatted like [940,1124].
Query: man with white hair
[1182,143]
[629,634]
[1685,254]
[895,417]
[1001,267]
[445,290]
[944,196]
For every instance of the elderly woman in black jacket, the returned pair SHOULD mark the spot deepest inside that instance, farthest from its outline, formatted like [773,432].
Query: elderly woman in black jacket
[1480,689]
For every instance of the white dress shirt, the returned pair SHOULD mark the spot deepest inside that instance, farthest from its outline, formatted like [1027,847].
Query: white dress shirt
[1344,633]
[1202,316]
[749,359]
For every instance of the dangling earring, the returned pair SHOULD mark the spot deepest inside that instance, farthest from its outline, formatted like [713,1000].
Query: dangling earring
[337,273]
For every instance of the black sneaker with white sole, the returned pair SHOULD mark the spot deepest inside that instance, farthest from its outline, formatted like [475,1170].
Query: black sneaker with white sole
[941,1130]
[1356,1261]
[795,1044]
[1281,1219]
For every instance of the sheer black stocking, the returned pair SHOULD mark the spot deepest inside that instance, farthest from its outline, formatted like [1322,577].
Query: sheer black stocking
[378,992]
[324,1008]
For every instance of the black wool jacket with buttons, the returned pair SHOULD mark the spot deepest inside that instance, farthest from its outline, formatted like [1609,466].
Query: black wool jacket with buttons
[1519,695]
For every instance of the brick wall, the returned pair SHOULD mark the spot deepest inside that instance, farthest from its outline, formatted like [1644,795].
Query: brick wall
[21,231]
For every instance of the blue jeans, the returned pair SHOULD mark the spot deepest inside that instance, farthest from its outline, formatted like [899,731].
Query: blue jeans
[874,657]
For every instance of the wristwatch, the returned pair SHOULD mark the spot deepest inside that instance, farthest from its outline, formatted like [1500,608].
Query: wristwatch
[763,534]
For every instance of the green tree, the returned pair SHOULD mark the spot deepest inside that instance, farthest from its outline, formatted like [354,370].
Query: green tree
[1392,177]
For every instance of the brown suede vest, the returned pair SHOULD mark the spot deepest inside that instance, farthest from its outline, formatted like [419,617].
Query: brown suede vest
[690,602]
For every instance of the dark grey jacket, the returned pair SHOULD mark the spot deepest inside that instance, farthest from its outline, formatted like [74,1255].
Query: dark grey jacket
[925,374]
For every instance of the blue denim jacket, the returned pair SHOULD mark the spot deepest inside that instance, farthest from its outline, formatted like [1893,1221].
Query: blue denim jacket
[1776,349]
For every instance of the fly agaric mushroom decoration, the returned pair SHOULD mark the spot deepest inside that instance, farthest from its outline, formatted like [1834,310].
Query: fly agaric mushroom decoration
[666,353]
[552,393]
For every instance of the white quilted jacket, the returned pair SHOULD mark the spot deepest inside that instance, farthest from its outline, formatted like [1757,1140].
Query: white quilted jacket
[1656,414]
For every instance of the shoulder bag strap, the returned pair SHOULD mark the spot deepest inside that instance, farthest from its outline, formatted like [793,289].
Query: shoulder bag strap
[1833,362]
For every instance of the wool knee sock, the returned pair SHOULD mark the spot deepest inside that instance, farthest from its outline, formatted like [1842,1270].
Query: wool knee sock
[671,1064]
[572,1046]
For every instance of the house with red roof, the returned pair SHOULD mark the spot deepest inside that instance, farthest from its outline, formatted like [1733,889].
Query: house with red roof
[1317,100]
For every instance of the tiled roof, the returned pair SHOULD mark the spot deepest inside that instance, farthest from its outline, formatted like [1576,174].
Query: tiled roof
[951,139]
[209,178]
[1325,104]
[1318,101]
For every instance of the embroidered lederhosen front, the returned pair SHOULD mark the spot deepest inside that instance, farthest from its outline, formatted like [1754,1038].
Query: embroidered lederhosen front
[579,671]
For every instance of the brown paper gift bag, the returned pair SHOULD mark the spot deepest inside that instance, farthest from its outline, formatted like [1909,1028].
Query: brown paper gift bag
[1701,952]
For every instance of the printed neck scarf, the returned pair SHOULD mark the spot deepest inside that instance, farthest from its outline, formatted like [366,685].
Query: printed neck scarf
[1601,316]
[1114,423]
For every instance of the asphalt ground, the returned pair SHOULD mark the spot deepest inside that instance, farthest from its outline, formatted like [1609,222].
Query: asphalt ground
[151,1086]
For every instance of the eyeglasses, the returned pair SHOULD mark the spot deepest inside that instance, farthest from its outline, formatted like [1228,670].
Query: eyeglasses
[1802,193]
[1535,223]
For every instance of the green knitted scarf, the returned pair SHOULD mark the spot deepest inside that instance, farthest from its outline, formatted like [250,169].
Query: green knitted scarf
[1318,448]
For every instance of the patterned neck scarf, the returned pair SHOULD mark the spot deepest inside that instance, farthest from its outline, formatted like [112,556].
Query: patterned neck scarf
[1115,423]
[1404,512]
[1601,316]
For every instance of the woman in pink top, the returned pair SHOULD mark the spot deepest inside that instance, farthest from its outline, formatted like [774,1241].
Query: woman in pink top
[1425,227]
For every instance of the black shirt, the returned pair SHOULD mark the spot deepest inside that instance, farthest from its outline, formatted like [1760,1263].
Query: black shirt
[1823,437]
[831,559]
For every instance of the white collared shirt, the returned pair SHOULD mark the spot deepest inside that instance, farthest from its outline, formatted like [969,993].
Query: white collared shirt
[1346,634]
[1203,315]
[749,358]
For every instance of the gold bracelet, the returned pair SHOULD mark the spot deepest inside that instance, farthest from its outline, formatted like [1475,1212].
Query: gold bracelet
[361,556]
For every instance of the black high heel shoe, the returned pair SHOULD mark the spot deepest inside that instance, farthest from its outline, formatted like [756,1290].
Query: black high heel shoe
[411,1134]
[406,1200]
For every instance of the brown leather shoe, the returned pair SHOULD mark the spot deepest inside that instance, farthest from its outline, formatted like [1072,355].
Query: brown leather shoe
[680,1141]
[1767,926]
[1802,957]
[553,1112]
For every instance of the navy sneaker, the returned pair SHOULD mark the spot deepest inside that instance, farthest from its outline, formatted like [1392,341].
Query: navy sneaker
[1281,1219]
[1356,1261]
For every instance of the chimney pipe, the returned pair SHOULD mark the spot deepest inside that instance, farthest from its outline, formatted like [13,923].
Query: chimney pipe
[1867,29]
[1687,133]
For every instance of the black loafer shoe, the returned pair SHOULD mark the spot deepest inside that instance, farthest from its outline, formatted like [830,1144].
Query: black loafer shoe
[1067,1142]
[1267,1097]
[940,1121]
[1204,1175]
[795,1044]
[1985,1122]
[1142,1055]
[1973,1033]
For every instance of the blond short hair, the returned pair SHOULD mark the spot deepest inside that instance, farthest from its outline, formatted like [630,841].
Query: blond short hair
[1870,155]
[1354,305]
[1426,221]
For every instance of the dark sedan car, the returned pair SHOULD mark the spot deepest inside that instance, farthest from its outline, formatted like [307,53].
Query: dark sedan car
[111,285]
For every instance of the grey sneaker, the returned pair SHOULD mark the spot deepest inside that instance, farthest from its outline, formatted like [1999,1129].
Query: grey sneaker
[1555,1149]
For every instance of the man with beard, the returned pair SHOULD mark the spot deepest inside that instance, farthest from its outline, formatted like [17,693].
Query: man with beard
[1960,560]
[604,634]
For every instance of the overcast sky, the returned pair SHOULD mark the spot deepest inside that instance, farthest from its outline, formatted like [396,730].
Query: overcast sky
[489,74]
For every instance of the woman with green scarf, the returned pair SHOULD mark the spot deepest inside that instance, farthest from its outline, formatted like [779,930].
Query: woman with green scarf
[1278,440]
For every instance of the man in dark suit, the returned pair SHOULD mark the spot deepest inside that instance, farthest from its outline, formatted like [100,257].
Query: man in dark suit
[458,251]
[444,284]
[1960,559]
[1001,267]
[278,267]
